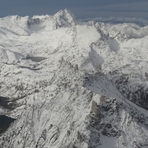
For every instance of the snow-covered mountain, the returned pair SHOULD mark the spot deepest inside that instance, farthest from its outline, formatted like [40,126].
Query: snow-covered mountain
[67,83]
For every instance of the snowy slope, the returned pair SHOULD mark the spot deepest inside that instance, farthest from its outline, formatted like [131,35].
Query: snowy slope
[73,84]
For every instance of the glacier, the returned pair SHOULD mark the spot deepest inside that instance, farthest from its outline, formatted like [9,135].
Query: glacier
[73,83]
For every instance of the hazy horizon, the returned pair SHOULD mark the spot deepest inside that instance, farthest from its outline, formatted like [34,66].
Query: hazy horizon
[81,9]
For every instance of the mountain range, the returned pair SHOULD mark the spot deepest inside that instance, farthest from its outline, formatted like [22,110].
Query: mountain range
[68,83]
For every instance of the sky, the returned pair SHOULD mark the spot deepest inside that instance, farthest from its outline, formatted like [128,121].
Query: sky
[80,8]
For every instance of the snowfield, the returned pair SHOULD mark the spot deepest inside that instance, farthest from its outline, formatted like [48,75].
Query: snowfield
[74,83]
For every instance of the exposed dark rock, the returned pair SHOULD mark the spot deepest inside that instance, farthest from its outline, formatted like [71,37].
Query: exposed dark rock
[5,123]
[4,101]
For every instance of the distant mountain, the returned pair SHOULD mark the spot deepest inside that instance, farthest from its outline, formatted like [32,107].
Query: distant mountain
[118,20]
[73,84]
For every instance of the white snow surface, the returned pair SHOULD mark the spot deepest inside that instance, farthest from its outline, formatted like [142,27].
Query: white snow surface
[55,95]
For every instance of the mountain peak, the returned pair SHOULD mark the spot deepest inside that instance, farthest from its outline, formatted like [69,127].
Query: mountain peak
[64,18]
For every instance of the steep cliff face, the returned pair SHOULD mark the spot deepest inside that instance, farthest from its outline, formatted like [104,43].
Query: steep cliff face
[73,84]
